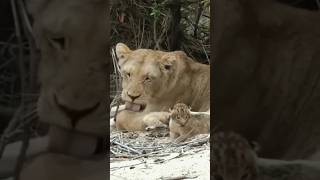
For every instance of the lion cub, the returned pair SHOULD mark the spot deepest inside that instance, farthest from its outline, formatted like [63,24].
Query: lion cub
[233,158]
[184,124]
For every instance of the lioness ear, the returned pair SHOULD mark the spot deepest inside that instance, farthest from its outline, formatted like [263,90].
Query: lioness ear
[170,59]
[122,51]
[35,6]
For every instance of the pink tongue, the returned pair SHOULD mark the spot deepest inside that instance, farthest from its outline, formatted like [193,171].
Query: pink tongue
[132,106]
[135,107]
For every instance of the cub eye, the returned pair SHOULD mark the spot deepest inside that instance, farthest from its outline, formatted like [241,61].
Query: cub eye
[58,42]
[128,74]
[167,67]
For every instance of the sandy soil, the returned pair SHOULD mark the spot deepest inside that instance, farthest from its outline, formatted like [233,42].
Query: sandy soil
[181,162]
[193,166]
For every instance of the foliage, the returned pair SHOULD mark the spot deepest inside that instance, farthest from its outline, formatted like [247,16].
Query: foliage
[146,24]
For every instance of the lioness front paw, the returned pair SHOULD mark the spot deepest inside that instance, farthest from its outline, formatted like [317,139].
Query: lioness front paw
[155,120]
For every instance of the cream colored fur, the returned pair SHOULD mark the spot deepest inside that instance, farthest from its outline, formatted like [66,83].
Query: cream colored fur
[72,38]
[184,124]
[160,79]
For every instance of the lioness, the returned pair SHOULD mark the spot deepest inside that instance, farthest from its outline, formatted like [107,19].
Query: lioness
[155,80]
[185,124]
[72,36]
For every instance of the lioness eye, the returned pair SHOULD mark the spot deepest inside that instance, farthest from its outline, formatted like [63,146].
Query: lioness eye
[60,42]
[245,176]
[128,74]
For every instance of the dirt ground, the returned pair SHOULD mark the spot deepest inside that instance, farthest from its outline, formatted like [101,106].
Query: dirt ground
[152,156]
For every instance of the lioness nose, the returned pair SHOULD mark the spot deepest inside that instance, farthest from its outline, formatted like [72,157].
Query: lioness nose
[133,97]
[74,114]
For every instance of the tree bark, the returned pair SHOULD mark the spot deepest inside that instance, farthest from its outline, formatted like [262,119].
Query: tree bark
[175,33]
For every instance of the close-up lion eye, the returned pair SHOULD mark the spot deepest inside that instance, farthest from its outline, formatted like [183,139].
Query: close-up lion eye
[147,78]
[127,74]
[167,67]
[58,42]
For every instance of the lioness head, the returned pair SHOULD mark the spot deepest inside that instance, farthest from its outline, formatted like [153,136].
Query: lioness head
[151,76]
[72,36]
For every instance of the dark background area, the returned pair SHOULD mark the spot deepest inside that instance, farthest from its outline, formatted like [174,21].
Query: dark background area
[18,63]
[7,69]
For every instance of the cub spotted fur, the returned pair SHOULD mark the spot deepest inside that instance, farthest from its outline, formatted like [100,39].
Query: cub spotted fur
[233,158]
[185,124]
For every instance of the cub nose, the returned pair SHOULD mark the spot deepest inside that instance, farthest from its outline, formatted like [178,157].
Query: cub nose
[133,97]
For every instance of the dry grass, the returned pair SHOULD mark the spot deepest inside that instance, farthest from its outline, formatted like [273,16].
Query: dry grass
[152,155]
[135,145]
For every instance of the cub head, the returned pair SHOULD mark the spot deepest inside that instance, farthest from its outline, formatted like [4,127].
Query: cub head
[180,113]
[73,68]
[151,77]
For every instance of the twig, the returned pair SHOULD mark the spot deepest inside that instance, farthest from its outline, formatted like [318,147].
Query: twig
[142,34]
[205,52]
[116,168]
[196,24]
[13,123]
[25,18]
[20,53]
[178,178]
[127,147]
[23,152]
